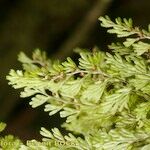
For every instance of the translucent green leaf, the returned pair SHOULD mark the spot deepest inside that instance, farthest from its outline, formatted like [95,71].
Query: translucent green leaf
[117,102]
[71,88]
[38,100]
[69,65]
[2,126]
[22,57]
[67,112]
[57,134]
[94,92]
[130,41]
[44,132]
[141,47]
[53,109]
[146,147]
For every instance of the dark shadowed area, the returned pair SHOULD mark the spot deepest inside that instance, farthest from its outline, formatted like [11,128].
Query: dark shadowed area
[56,27]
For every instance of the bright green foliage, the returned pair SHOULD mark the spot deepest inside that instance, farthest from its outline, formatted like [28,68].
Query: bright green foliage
[2,126]
[8,142]
[105,98]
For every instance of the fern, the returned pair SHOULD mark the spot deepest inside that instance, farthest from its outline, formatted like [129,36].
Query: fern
[104,98]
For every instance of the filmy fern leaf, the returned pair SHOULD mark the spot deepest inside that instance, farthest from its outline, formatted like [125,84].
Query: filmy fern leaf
[104,97]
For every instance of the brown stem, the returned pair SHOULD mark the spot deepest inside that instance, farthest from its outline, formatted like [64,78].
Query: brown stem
[83,29]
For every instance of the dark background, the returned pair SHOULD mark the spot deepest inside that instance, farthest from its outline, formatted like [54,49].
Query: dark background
[56,26]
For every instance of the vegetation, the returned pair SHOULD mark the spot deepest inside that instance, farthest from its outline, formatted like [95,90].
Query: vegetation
[104,97]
